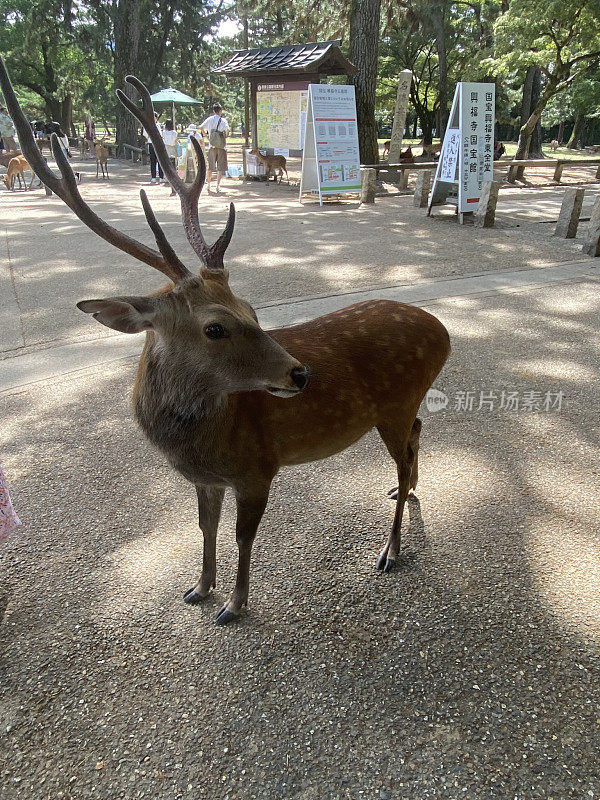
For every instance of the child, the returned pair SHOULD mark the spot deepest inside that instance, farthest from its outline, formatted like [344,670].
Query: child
[8,519]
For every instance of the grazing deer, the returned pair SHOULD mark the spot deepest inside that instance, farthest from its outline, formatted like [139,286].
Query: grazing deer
[230,404]
[554,145]
[101,153]
[16,169]
[272,163]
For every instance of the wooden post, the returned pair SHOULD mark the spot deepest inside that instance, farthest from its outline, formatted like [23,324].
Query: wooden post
[485,214]
[423,188]
[403,179]
[368,179]
[402,94]
[558,171]
[570,209]
[592,242]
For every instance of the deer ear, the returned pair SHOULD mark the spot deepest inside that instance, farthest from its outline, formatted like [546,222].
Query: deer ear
[125,314]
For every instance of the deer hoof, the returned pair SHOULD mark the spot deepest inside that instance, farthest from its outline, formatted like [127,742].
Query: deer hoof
[385,564]
[193,598]
[224,616]
[393,493]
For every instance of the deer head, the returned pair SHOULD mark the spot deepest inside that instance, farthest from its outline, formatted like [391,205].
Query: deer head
[196,323]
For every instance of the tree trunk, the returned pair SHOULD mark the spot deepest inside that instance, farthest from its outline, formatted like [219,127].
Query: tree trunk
[579,120]
[437,19]
[528,127]
[364,46]
[561,131]
[127,35]
[66,115]
[535,144]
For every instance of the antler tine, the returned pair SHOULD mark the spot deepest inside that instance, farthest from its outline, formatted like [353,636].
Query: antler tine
[161,240]
[217,250]
[66,187]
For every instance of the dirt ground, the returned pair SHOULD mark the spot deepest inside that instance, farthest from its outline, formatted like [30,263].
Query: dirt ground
[469,672]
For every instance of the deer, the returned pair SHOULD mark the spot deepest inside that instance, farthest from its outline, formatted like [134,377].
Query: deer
[101,153]
[272,164]
[229,404]
[16,169]
[405,155]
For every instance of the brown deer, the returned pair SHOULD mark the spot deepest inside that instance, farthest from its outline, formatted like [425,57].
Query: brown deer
[405,155]
[230,404]
[101,153]
[16,170]
[272,164]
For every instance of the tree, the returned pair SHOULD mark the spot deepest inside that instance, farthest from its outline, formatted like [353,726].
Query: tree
[364,47]
[561,37]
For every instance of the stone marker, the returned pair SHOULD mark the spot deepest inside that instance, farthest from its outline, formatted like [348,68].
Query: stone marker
[422,189]
[568,219]
[486,208]
[592,242]
[404,82]
[368,178]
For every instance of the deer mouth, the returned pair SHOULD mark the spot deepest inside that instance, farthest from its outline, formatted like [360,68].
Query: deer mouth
[278,392]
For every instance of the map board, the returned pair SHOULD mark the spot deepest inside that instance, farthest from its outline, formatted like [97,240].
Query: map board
[467,157]
[331,162]
[279,114]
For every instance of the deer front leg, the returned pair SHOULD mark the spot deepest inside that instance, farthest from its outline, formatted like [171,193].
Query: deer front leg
[250,509]
[210,501]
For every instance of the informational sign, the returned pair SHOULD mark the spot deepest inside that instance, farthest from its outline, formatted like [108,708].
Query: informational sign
[467,157]
[331,162]
[279,114]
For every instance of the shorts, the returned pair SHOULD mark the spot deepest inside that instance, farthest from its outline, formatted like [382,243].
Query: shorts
[217,159]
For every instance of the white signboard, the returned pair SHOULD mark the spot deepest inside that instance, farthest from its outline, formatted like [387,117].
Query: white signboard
[331,163]
[467,157]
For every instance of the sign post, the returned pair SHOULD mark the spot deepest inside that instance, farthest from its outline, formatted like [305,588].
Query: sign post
[331,162]
[467,157]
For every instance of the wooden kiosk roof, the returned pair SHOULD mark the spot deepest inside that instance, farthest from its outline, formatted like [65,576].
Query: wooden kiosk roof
[321,58]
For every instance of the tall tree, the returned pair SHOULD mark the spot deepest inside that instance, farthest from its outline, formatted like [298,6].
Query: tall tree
[127,40]
[364,48]
[561,37]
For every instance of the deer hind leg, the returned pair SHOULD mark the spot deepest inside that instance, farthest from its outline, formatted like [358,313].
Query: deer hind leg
[250,509]
[403,450]
[210,501]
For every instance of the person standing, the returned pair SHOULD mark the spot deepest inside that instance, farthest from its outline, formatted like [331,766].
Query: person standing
[217,129]
[90,134]
[7,131]
[170,140]
[156,173]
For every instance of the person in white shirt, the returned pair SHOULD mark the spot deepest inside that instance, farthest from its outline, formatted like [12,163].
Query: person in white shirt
[170,139]
[156,173]
[217,129]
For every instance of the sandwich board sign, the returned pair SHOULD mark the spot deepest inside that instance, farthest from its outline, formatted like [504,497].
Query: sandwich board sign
[331,161]
[467,157]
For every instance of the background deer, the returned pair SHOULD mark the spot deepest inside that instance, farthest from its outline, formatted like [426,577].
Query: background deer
[101,153]
[273,164]
[16,170]
[230,404]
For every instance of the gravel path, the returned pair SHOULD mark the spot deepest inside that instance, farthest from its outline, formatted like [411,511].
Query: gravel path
[469,672]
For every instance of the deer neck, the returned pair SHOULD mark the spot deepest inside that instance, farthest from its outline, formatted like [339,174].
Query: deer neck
[172,395]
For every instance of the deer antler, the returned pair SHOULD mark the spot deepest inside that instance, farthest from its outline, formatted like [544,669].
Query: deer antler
[66,188]
[210,255]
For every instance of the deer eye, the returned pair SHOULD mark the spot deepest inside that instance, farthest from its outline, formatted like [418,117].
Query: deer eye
[214,331]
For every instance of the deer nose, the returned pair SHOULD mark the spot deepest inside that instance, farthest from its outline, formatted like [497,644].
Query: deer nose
[300,376]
